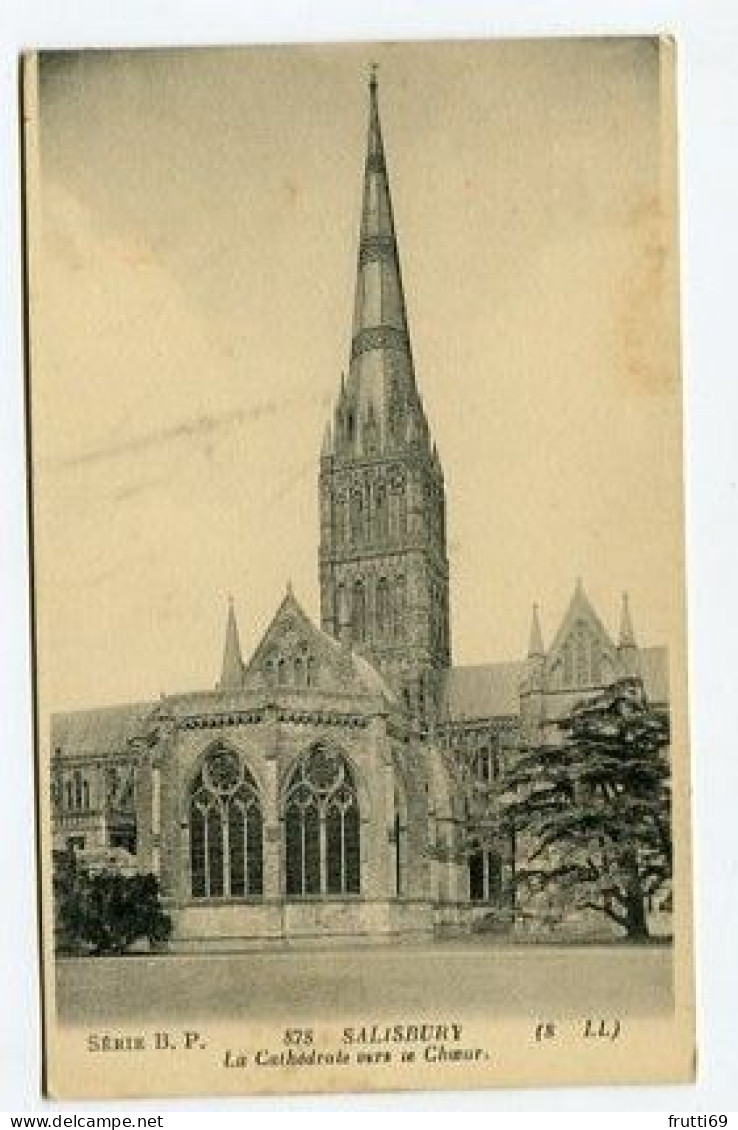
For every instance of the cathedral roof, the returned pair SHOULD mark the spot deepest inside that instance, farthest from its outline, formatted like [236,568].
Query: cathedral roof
[490,690]
[100,732]
[484,690]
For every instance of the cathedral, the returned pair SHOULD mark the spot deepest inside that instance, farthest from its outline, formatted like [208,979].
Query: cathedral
[320,788]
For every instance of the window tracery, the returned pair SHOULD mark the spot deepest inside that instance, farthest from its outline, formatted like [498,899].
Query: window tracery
[322,837]
[225,829]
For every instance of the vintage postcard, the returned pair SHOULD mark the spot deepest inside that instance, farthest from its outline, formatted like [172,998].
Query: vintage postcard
[355,419]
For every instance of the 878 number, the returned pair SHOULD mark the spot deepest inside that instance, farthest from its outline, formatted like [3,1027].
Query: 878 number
[294,1037]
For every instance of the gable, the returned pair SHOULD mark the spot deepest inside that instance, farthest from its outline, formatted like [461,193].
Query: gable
[582,654]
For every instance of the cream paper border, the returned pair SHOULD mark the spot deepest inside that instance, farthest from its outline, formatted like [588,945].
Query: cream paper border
[657,1051]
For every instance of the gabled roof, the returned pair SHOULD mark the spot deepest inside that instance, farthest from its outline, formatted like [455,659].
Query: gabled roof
[490,690]
[338,668]
[93,733]
[580,608]
[484,690]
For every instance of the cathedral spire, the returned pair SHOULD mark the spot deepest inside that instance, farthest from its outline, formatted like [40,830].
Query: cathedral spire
[535,646]
[231,676]
[383,568]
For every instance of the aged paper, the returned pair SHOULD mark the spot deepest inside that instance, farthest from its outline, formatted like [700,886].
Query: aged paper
[355,420]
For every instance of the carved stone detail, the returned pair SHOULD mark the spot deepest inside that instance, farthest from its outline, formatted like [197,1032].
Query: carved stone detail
[376,247]
[379,337]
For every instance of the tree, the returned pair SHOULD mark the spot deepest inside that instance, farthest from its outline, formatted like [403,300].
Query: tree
[590,810]
[106,911]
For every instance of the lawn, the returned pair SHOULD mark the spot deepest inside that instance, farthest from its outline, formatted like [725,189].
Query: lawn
[473,976]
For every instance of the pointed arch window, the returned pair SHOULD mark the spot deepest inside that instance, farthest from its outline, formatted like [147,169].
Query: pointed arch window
[358,612]
[399,832]
[581,656]
[338,521]
[381,512]
[357,515]
[568,664]
[485,876]
[226,831]
[77,788]
[383,606]
[322,836]
[340,608]
[399,607]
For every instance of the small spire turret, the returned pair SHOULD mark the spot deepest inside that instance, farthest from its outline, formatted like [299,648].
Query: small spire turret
[627,647]
[535,644]
[232,670]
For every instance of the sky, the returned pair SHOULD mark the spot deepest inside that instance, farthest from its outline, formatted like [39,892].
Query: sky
[193,256]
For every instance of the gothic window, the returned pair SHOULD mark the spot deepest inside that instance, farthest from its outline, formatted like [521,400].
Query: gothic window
[85,793]
[476,877]
[383,609]
[398,844]
[340,610]
[77,789]
[368,514]
[402,517]
[357,515]
[398,608]
[421,697]
[225,829]
[299,671]
[358,612]
[568,673]
[381,512]
[281,671]
[70,800]
[485,876]
[582,658]
[486,763]
[581,652]
[123,838]
[322,827]
[340,521]
[310,671]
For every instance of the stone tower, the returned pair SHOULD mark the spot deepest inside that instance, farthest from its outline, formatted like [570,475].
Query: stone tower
[383,566]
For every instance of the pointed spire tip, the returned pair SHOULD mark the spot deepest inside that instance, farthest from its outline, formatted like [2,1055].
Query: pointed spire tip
[627,635]
[231,675]
[535,645]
